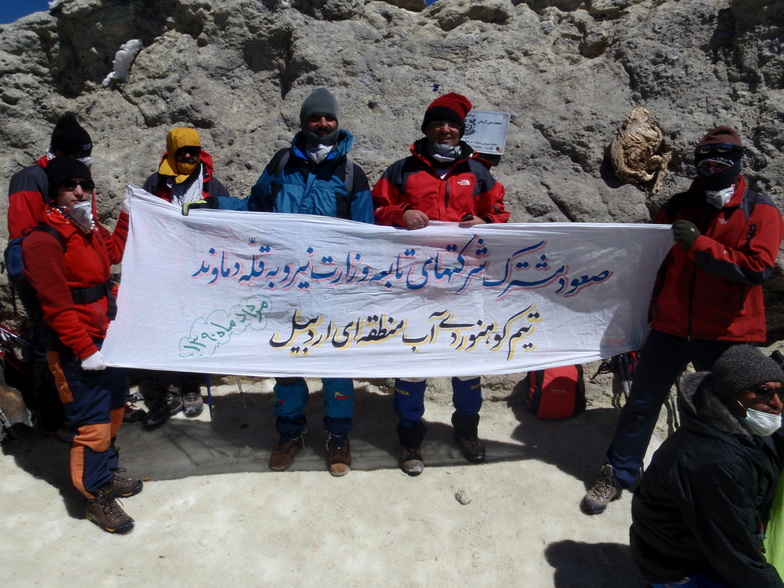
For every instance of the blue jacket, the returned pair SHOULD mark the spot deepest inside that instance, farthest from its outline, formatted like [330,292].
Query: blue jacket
[303,187]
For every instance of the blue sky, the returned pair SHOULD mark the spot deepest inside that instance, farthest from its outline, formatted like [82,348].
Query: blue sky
[11,10]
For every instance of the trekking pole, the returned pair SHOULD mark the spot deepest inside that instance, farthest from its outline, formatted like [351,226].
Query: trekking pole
[623,365]
[242,394]
[209,393]
[673,402]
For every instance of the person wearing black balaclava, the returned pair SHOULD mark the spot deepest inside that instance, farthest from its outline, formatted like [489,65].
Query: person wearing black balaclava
[707,296]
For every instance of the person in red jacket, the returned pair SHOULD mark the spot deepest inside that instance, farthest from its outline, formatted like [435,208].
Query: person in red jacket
[707,297]
[26,204]
[442,180]
[185,174]
[68,265]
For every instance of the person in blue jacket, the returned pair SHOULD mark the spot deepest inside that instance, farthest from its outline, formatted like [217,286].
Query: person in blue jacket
[313,176]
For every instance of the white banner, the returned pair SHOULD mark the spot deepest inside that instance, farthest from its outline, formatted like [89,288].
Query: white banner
[262,294]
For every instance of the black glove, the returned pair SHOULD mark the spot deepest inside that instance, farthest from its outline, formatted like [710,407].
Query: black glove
[685,233]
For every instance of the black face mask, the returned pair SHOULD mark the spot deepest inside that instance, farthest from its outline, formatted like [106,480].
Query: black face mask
[713,182]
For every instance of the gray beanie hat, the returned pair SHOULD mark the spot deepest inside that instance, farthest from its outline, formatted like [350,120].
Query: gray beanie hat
[743,367]
[321,101]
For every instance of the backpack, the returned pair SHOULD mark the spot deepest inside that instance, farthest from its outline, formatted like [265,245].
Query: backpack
[556,393]
[14,266]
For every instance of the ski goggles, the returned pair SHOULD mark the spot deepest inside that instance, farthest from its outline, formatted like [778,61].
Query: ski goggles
[716,148]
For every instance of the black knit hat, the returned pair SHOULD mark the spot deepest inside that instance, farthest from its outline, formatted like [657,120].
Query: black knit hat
[60,169]
[743,367]
[69,136]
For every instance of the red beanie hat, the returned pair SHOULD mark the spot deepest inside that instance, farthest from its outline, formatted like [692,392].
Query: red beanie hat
[721,136]
[452,107]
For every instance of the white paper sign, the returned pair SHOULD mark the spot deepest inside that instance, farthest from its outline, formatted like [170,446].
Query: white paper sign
[265,294]
[486,131]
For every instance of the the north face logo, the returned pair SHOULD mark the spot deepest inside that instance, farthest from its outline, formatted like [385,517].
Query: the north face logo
[463,182]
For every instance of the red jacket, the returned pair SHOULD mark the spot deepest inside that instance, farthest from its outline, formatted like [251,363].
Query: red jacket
[26,198]
[712,291]
[55,273]
[413,182]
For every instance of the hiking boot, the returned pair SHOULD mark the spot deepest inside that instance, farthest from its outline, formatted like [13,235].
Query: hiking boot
[473,449]
[283,455]
[411,461]
[338,455]
[133,413]
[192,404]
[168,404]
[125,487]
[105,512]
[602,493]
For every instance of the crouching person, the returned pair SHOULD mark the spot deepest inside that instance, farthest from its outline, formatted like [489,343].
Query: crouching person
[699,514]
[67,261]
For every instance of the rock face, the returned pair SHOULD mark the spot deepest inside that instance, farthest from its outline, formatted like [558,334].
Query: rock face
[569,72]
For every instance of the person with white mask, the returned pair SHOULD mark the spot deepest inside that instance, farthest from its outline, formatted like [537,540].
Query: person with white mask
[707,297]
[67,261]
[312,176]
[700,512]
[443,179]
[27,195]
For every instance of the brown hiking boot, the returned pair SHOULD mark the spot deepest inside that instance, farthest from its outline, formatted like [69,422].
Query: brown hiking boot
[125,487]
[338,455]
[283,455]
[411,461]
[473,449]
[104,511]
[601,494]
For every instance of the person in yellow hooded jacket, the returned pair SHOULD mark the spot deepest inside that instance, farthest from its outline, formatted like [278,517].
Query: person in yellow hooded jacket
[185,172]
[184,175]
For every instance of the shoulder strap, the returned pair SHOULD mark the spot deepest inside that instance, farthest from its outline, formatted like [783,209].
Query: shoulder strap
[53,232]
[280,159]
[349,177]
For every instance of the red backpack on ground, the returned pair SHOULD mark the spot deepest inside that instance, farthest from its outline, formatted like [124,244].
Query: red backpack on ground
[556,393]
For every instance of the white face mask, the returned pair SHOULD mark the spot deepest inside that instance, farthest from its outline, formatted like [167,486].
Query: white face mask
[82,214]
[760,423]
[719,198]
[318,153]
[88,161]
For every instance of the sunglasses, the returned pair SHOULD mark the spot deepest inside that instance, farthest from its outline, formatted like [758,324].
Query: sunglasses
[444,124]
[85,185]
[192,151]
[765,394]
[716,148]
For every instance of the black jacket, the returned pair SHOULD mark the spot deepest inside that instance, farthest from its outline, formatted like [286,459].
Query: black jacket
[703,502]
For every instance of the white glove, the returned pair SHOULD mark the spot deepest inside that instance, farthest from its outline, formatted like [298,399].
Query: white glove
[94,362]
[126,205]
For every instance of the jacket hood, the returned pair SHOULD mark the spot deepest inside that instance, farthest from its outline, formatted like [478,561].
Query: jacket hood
[206,160]
[704,410]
